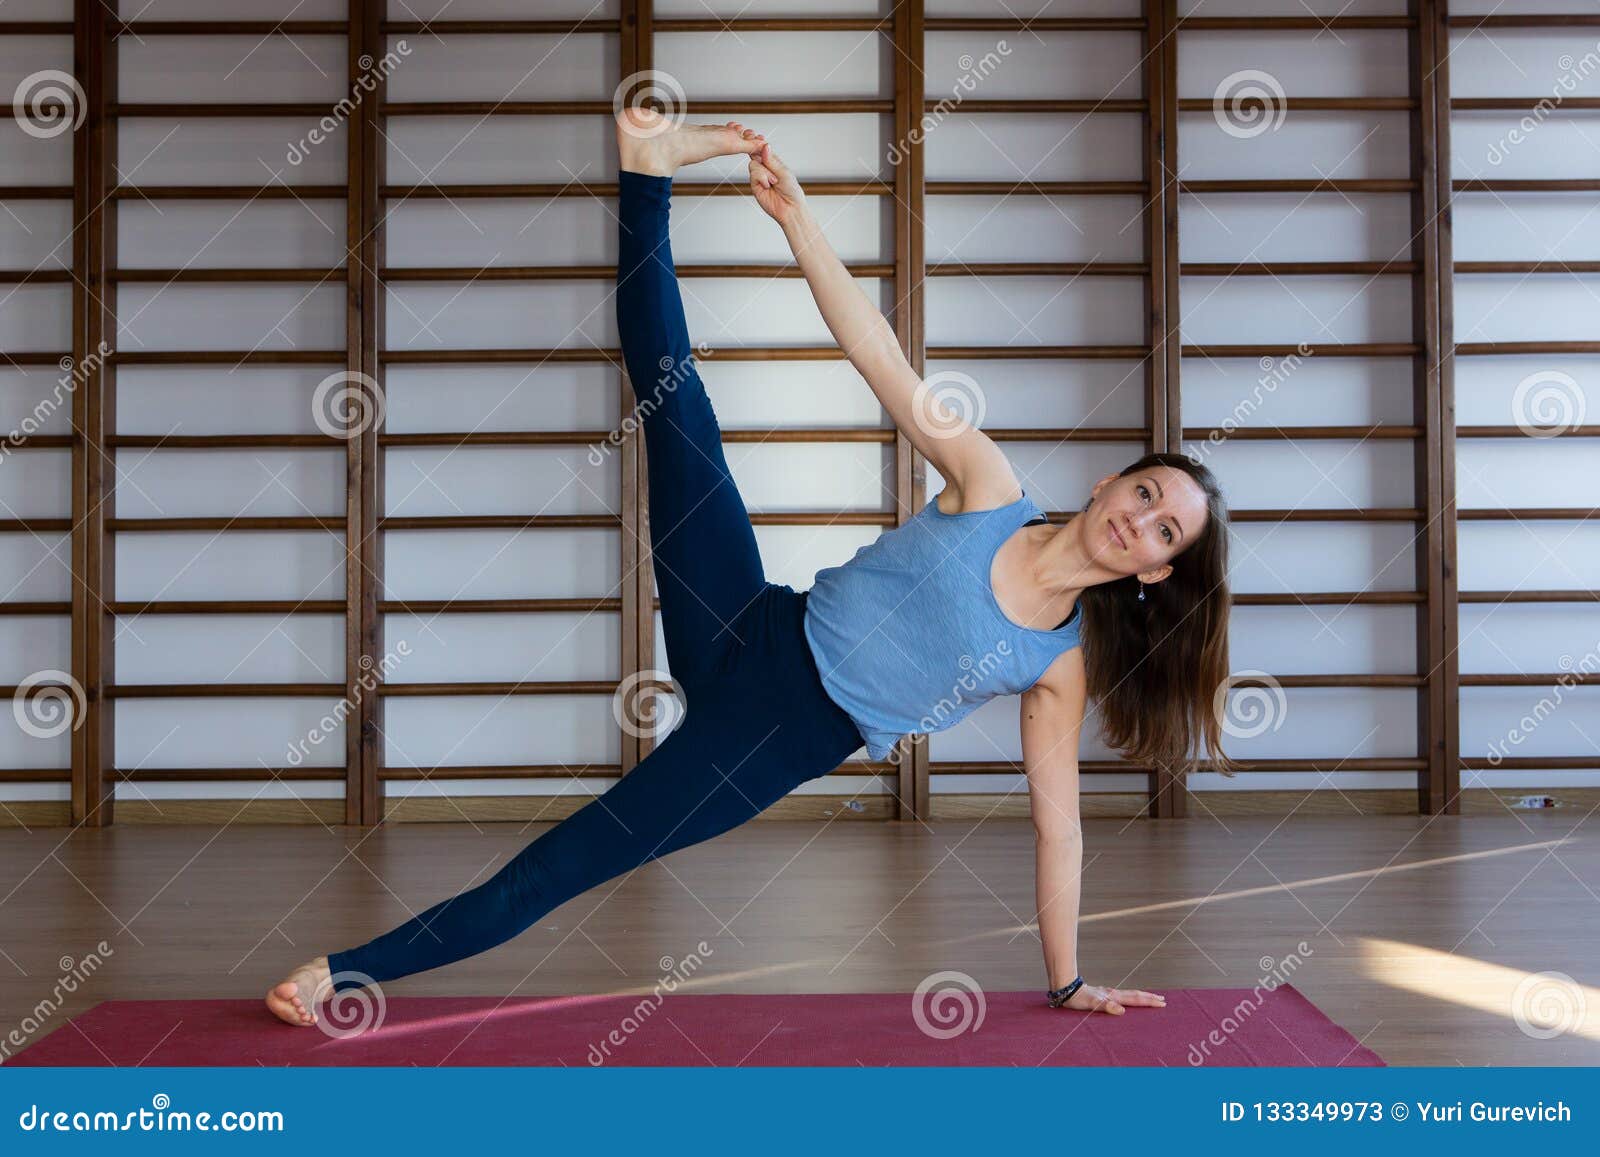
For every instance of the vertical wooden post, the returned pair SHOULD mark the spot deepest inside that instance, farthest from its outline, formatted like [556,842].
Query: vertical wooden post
[94,238]
[1435,788]
[364,797]
[1442,790]
[638,570]
[637,601]
[1167,790]
[910,272]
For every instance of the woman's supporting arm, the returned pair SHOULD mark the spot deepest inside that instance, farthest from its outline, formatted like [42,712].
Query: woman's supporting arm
[1051,718]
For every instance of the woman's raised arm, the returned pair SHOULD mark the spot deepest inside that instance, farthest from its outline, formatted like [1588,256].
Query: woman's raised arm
[964,455]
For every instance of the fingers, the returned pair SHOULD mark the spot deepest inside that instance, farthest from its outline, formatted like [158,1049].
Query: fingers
[760,175]
[1138,996]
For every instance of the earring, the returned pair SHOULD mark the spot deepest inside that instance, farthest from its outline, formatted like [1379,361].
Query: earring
[1141,590]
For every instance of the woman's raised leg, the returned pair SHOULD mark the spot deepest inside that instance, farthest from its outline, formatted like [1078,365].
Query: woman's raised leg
[707,564]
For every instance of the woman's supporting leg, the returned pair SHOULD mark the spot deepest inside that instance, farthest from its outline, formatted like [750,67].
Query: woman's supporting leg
[712,774]
[707,564]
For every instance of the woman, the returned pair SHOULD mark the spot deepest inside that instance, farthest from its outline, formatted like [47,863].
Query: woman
[782,686]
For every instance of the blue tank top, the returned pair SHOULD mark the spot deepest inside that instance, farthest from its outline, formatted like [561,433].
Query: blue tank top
[908,636]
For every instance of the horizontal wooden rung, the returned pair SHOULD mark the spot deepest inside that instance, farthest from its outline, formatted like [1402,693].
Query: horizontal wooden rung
[1530,596]
[194,275]
[1528,513]
[228,607]
[230,357]
[1525,679]
[497,606]
[1529,20]
[1290,23]
[1301,185]
[143,28]
[1519,432]
[1329,598]
[1296,268]
[227,522]
[1545,104]
[1375,349]
[1291,433]
[224,441]
[482,108]
[1315,103]
[497,27]
[1518,348]
[272,192]
[222,690]
[34,607]
[524,687]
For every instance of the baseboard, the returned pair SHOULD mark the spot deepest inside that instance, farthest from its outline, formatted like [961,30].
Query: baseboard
[815,808]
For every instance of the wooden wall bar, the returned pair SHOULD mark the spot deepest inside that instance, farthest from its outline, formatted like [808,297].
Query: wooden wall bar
[97,191]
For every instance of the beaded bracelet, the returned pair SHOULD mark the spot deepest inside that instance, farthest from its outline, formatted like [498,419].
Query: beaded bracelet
[1059,996]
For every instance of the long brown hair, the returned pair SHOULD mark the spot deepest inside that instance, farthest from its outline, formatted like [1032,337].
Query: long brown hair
[1154,667]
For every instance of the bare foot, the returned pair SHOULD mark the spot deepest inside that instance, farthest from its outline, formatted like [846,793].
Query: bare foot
[294,1001]
[648,142]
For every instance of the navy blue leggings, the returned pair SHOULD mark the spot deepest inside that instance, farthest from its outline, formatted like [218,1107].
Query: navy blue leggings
[758,721]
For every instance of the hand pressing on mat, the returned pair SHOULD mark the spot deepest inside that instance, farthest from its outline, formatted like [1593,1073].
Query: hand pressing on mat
[1089,998]
[775,187]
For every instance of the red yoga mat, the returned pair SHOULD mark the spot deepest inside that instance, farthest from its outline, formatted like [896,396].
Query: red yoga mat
[1199,1026]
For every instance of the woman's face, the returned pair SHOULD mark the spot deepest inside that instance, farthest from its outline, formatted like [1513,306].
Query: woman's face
[1136,523]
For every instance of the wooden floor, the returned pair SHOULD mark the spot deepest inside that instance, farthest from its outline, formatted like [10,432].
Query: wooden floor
[1417,931]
